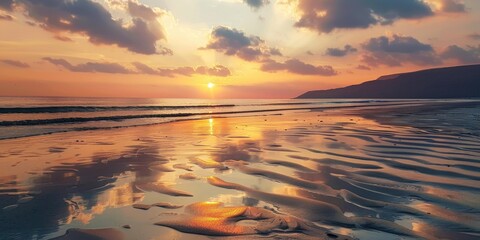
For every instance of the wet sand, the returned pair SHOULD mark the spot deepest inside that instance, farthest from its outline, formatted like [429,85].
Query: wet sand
[369,173]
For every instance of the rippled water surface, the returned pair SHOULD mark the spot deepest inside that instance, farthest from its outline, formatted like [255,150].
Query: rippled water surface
[355,173]
[20,117]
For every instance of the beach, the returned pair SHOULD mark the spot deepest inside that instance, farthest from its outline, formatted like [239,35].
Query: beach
[397,171]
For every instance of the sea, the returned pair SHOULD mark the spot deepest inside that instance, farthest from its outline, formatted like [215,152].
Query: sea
[30,116]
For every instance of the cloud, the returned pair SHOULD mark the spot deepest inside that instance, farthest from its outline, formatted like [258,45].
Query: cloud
[256,3]
[466,55]
[218,70]
[453,6]
[89,66]
[396,44]
[233,42]
[363,67]
[149,15]
[140,68]
[15,63]
[474,36]
[6,17]
[7,4]
[325,16]
[337,52]
[298,67]
[137,9]
[397,50]
[90,18]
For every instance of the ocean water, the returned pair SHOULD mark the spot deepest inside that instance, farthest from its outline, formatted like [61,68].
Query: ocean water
[20,117]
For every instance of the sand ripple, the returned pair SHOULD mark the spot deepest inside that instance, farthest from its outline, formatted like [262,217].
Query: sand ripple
[337,175]
[214,219]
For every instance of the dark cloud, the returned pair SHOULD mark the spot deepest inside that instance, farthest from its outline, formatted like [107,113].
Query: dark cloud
[233,42]
[338,52]
[7,4]
[6,17]
[327,15]
[309,53]
[474,36]
[275,52]
[453,6]
[91,19]
[397,50]
[106,67]
[466,55]
[218,70]
[396,44]
[89,66]
[363,67]
[298,67]
[256,3]
[15,63]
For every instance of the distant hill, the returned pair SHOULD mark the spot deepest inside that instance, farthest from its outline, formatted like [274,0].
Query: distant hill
[449,82]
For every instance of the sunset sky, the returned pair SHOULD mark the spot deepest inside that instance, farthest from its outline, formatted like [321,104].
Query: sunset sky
[247,48]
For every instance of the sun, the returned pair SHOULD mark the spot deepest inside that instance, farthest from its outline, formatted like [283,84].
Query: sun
[210,85]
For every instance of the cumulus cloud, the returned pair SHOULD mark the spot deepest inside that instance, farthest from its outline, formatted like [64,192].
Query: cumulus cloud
[233,42]
[325,16]
[397,50]
[93,20]
[467,55]
[256,3]
[140,68]
[137,9]
[453,6]
[396,44]
[338,52]
[149,15]
[298,67]
[15,63]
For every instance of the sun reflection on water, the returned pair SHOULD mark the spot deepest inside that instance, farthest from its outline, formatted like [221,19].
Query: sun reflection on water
[210,124]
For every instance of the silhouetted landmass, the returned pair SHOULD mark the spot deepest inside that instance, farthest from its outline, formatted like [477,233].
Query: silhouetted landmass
[450,82]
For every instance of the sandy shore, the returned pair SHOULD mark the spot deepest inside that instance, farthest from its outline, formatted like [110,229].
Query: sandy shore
[337,174]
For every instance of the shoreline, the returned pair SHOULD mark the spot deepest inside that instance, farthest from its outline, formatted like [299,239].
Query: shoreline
[387,108]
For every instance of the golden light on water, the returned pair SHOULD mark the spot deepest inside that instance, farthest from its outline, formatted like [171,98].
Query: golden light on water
[210,123]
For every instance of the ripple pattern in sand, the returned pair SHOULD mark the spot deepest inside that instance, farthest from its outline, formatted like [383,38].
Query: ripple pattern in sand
[301,176]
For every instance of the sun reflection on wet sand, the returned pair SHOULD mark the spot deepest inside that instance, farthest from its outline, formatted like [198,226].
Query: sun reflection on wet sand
[292,175]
